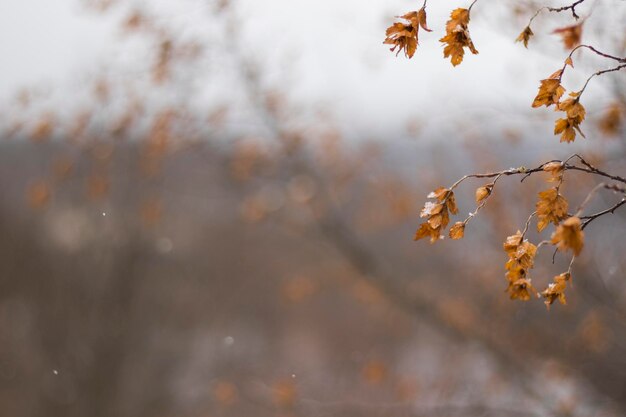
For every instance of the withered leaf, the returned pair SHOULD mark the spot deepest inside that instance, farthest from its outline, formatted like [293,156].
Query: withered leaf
[438,213]
[404,36]
[521,289]
[575,114]
[551,207]
[521,258]
[556,290]
[483,192]
[613,120]
[569,236]
[550,92]
[457,36]
[570,35]
[457,231]
[555,168]
[524,37]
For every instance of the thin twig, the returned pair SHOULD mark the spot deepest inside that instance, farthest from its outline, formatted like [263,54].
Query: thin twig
[537,14]
[592,217]
[528,223]
[593,170]
[588,198]
[571,7]
[591,48]
[619,67]
[569,268]
[469,9]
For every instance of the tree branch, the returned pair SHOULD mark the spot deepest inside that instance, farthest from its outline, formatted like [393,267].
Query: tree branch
[571,7]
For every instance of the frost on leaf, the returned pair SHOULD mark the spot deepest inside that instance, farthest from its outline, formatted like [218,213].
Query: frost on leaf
[438,214]
[556,290]
[555,169]
[569,236]
[404,36]
[457,36]
[521,258]
[551,207]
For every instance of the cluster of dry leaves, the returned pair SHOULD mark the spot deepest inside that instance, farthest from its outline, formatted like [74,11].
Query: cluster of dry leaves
[551,207]
[550,93]
[570,35]
[551,90]
[438,217]
[405,36]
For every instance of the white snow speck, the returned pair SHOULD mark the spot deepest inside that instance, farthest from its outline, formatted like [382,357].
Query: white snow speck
[164,245]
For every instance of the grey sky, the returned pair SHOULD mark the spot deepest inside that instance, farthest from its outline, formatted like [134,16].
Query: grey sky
[332,53]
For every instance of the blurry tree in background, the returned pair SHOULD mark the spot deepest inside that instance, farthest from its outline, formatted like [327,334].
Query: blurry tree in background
[238,256]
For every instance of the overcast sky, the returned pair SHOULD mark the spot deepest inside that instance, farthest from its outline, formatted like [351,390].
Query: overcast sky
[45,42]
[332,51]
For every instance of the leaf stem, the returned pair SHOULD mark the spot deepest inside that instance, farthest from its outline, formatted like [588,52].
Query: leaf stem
[528,223]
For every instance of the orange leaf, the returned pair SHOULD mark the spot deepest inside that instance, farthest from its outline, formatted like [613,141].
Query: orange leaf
[525,36]
[550,92]
[569,236]
[551,207]
[457,36]
[570,35]
[457,231]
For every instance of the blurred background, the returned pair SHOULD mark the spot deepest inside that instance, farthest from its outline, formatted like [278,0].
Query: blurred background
[208,209]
